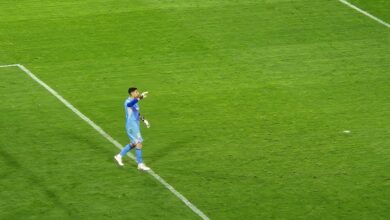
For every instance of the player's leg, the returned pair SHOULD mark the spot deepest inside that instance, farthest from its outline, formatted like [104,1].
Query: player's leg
[126,148]
[123,153]
[138,154]
[138,151]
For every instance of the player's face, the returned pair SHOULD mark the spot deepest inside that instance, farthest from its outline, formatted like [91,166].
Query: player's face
[135,94]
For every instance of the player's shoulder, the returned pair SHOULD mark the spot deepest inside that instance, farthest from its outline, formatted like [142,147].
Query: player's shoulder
[129,99]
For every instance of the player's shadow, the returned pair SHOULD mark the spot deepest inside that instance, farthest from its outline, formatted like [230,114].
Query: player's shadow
[33,180]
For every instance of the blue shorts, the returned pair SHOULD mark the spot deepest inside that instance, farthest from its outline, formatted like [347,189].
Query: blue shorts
[134,133]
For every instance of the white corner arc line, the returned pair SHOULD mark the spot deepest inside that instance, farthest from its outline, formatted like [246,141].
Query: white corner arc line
[365,13]
[108,137]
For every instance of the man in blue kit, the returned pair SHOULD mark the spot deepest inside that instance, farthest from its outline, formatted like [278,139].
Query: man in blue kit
[133,118]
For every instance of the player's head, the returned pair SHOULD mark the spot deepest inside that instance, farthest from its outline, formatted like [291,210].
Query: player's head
[133,92]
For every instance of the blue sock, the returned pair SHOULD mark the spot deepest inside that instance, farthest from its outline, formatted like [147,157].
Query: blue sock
[138,154]
[126,149]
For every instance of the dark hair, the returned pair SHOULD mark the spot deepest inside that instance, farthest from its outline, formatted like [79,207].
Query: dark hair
[132,89]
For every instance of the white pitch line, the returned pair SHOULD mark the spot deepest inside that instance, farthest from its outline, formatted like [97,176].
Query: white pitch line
[365,13]
[109,138]
[8,65]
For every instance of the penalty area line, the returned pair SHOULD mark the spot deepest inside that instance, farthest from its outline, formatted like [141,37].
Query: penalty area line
[108,137]
[365,13]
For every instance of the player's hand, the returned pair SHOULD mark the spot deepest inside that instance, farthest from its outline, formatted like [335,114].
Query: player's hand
[146,123]
[144,95]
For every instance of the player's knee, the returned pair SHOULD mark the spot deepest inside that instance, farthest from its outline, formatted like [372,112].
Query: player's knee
[138,145]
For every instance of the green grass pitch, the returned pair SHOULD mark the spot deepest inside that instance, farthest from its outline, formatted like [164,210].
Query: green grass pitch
[248,104]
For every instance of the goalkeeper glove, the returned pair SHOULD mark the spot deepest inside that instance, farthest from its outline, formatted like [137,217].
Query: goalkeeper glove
[145,121]
[144,95]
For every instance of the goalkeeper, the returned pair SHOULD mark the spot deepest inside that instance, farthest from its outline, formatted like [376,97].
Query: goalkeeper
[133,118]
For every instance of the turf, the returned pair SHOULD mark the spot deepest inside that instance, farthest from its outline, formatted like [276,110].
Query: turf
[248,104]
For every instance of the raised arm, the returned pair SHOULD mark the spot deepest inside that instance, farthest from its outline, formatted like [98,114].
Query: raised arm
[133,102]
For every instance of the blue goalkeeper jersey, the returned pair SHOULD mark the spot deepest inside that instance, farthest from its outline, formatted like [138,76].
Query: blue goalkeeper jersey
[132,111]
